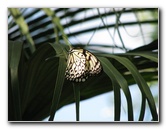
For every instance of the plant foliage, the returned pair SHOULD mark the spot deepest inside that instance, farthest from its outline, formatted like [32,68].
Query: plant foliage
[37,86]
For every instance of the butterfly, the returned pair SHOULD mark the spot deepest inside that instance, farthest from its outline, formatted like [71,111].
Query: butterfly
[81,64]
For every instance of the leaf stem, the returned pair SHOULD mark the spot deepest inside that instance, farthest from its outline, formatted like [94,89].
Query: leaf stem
[77,99]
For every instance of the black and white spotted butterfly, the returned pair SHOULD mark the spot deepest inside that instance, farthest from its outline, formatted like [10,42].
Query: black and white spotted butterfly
[81,64]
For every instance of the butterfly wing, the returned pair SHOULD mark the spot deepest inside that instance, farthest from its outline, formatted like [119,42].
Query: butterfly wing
[81,64]
[76,66]
[93,63]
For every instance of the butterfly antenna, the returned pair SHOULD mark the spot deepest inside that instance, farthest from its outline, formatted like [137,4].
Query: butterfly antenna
[58,55]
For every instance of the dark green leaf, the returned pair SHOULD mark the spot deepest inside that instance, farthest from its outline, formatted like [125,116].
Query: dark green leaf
[58,87]
[112,72]
[15,49]
[59,81]
[141,83]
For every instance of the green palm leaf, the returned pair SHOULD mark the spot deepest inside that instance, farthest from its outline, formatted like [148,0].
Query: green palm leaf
[37,85]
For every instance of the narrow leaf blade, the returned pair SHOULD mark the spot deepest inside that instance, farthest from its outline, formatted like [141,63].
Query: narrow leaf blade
[15,49]
[58,88]
[110,70]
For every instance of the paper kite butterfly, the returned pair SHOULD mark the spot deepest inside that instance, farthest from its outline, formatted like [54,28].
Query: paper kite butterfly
[81,64]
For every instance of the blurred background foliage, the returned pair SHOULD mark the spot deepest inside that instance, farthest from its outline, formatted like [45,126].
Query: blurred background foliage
[37,88]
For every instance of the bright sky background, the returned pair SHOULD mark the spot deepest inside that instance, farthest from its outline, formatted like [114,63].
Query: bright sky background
[131,35]
[101,108]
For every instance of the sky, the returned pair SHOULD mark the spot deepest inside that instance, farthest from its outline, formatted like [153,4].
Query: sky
[101,108]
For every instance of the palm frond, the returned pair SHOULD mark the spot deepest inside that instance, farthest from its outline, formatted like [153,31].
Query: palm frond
[37,84]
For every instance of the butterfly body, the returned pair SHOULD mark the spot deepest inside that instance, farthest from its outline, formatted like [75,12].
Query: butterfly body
[81,64]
